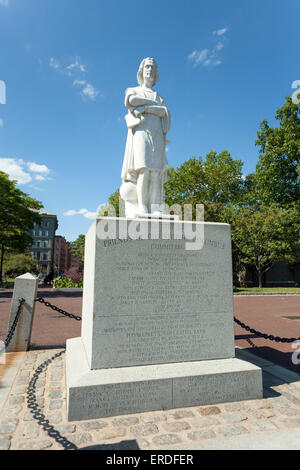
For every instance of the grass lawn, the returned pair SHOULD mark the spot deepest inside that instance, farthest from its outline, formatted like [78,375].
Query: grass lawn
[285,290]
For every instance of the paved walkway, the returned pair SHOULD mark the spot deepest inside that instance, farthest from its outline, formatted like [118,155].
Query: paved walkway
[34,416]
[273,422]
[276,315]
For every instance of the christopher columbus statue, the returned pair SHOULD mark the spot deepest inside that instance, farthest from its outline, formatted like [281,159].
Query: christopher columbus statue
[145,164]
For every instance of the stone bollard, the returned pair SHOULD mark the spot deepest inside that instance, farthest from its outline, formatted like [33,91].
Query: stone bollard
[26,288]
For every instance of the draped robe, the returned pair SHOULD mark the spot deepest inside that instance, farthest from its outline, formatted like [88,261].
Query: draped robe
[146,140]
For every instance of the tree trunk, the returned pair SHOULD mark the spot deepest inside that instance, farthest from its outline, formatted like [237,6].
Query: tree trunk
[1,262]
[260,276]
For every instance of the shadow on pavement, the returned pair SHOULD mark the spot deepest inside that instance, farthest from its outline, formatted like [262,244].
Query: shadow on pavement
[54,294]
[49,293]
[43,347]
[123,445]
[279,358]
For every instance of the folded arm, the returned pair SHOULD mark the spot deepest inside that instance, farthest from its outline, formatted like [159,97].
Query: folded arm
[138,101]
[159,111]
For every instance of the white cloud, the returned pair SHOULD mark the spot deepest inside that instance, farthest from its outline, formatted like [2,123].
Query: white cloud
[39,178]
[4,3]
[54,64]
[23,172]
[209,57]
[220,32]
[85,212]
[204,57]
[90,92]
[75,71]
[1,122]
[79,82]
[35,168]
[14,169]
[76,67]
[198,56]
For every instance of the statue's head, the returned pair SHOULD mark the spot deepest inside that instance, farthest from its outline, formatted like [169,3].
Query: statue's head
[148,66]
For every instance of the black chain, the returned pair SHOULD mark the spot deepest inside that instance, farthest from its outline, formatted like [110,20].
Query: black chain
[13,326]
[33,405]
[57,309]
[264,335]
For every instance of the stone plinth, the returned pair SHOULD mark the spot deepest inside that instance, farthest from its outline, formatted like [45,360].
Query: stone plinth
[111,392]
[154,301]
[157,314]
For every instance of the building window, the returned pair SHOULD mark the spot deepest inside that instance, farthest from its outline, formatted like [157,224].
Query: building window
[45,256]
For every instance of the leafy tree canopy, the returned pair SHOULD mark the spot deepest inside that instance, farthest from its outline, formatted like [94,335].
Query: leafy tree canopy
[18,212]
[77,247]
[277,177]
[215,181]
[265,237]
[19,263]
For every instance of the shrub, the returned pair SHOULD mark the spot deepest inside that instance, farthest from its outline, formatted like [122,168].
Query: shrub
[67,283]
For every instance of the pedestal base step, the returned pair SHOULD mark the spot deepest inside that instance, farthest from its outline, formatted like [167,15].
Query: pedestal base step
[101,393]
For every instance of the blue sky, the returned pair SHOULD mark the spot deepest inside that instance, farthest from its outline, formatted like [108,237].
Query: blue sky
[224,66]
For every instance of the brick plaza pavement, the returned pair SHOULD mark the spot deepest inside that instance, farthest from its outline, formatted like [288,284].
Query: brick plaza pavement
[270,423]
[277,315]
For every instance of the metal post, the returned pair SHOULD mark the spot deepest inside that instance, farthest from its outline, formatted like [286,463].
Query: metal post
[26,288]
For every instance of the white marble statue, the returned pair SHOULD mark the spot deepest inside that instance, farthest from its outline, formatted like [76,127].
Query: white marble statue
[145,164]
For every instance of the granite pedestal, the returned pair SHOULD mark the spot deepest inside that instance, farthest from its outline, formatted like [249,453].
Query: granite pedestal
[157,328]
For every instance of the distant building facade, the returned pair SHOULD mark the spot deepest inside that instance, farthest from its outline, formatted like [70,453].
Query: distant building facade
[76,263]
[64,258]
[61,255]
[42,249]
[279,275]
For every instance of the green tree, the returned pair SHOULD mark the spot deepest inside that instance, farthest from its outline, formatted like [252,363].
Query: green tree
[18,213]
[77,247]
[264,237]
[19,263]
[277,177]
[114,200]
[213,182]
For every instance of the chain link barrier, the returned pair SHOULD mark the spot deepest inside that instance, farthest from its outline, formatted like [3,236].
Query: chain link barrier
[277,339]
[264,335]
[13,326]
[57,309]
[37,414]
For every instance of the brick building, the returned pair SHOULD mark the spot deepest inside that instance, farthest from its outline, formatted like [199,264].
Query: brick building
[64,258]
[62,255]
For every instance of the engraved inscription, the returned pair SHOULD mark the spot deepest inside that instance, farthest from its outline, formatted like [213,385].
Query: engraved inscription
[160,280]
[117,398]
[214,388]
[160,339]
